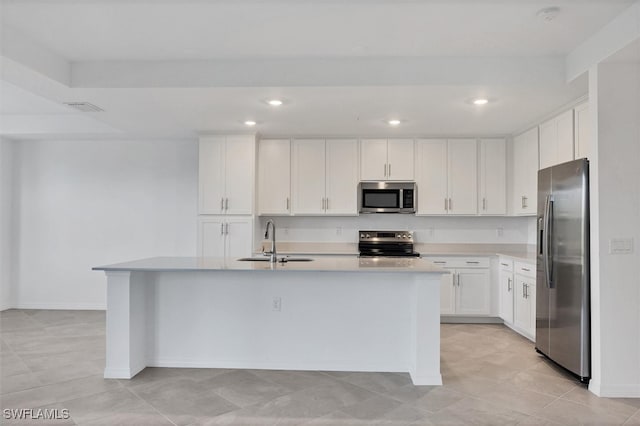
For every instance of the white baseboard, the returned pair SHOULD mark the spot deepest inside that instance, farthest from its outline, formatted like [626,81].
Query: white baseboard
[615,391]
[461,319]
[61,306]
[431,380]
[259,365]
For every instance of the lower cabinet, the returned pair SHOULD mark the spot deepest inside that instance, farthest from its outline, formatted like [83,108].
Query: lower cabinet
[505,290]
[525,305]
[225,236]
[467,289]
[517,292]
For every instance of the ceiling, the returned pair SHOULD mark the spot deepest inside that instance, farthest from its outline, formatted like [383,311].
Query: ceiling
[169,69]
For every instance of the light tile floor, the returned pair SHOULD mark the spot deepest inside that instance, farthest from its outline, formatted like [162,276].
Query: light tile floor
[492,376]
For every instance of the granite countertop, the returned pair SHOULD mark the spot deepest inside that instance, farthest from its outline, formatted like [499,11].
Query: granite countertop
[319,264]
[516,251]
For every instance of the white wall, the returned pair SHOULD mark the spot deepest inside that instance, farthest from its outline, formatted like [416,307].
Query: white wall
[6,219]
[515,230]
[81,204]
[615,185]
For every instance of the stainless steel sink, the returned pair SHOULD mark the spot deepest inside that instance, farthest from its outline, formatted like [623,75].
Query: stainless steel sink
[280,260]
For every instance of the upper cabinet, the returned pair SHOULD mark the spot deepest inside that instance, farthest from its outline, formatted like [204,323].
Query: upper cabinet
[492,191]
[525,173]
[556,140]
[226,174]
[387,159]
[447,176]
[274,177]
[324,179]
[582,123]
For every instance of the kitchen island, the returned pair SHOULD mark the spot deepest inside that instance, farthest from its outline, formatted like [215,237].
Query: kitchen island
[340,313]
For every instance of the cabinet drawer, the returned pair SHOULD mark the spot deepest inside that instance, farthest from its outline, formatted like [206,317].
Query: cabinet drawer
[526,269]
[506,264]
[460,262]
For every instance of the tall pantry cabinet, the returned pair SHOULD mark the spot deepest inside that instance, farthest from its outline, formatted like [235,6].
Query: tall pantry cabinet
[226,195]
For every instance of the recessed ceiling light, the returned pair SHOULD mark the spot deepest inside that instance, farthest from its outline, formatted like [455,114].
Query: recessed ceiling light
[250,123]
[394,122]
[480,101]
[274,102]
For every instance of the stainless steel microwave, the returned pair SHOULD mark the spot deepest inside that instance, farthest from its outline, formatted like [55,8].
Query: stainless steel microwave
[387,197]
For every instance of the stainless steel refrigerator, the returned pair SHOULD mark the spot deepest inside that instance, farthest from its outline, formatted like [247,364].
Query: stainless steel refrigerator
[563,331]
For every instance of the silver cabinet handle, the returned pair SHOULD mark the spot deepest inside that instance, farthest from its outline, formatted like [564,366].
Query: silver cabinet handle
[226,229]
[287,203]
[222,229]
[526,269]
[385,169]
[389,169]
[450,205]
[222,204]
[474,262]
[226,204]
[526,291]
[445,205]
[326,203]
[504,264]
[508,284]
[484,204]
[458,280]
[439,262]
[524,202]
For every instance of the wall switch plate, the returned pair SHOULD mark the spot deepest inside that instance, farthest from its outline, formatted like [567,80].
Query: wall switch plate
[620,245]
[276,305]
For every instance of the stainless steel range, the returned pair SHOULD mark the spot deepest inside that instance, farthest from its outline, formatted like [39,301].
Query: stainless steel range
[386,244]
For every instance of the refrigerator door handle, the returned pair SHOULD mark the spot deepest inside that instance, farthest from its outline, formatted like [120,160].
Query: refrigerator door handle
[548,212]
[545,241]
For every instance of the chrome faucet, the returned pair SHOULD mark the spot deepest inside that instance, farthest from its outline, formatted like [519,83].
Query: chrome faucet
[273,255]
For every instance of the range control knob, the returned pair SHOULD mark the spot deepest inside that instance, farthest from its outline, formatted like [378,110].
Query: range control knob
[368,236]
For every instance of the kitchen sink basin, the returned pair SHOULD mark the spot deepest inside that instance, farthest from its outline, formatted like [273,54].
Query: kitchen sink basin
[280,259]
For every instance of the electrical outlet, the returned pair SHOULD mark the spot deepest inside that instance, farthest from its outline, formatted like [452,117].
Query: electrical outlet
[285,231]
[500,232]
[276,304]
[339,230]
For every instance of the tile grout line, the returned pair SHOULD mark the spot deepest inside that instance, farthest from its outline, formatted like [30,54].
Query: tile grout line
[149,404]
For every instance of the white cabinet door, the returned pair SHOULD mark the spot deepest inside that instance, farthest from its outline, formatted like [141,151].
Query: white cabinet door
[565,137]
[556,140]
[431,176]
[400,159]
[342,177]
[473,292]
[548,144]
[506,295]
[239,237]
[211,237]
[239,174]
[524,306]
[274,177]
[462,176]
[525,173]
[308,176]
[211,192]
[582,131]
[447,294]
[493,193]
[373,159]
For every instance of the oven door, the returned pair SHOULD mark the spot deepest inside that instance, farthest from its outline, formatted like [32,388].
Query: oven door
[380,200]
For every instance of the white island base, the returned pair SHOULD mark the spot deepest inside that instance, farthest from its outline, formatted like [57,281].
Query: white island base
[330,314]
